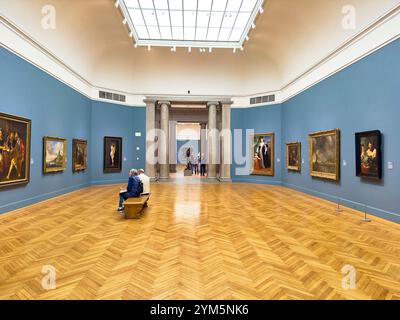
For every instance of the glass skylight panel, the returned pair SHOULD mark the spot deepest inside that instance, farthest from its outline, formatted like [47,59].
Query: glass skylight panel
[191,23]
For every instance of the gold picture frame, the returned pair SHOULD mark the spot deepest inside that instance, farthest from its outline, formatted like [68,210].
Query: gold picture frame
[54,154]
[15,150]
[324,154]
[293,156]
[262,161]
[79,155]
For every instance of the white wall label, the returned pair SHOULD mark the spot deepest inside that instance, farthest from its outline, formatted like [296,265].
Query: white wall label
[344,163]
[278,160]
[137,158]
[138,134]
[302,161]
[390,165]
[124,158]
[137,148]
[32,161]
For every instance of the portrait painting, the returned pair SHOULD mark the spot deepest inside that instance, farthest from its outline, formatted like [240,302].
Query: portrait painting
[293,156]
[15,143]
[368,154]
[262,152]
[79,155]
[324,148]
[54,154]
[112,154]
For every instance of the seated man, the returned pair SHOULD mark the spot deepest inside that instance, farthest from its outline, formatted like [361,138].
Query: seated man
[132,190]
[145,180]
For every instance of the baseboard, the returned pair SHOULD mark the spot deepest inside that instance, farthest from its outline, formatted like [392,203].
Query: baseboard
[105,182]
[257,181]
[348,203]
[42,197]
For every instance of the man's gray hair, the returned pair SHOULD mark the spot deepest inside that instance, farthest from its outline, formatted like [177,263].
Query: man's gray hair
[133,171]
[141,171]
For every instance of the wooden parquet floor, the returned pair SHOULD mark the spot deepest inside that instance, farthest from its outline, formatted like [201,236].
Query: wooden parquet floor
[197,241]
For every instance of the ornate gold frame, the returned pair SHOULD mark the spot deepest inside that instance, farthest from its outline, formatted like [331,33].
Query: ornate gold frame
[259,172]
[27,122]
[324,175]
[74,144]
[58,169]
[298,146]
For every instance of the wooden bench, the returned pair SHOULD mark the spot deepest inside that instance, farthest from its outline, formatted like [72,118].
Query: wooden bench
[135,206]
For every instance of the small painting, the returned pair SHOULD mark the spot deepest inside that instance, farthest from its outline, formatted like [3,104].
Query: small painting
[262,152]
[368,154]
[112,154]
[293,156]
[79,155]
[324,148]
[54,154]
[15,142]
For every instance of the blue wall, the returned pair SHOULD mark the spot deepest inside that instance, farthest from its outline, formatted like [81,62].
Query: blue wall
[194,144]
[263,120]
[117,121]
[365,96]
[55,110]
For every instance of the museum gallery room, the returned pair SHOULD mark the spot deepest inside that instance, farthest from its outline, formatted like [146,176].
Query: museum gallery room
[199,150]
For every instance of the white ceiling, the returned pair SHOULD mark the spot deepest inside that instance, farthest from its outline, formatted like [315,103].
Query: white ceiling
[290,37]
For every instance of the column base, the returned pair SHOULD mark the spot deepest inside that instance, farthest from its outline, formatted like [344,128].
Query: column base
[221,179]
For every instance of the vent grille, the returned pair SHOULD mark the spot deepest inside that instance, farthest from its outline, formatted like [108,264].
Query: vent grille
[263,99]
[112,96]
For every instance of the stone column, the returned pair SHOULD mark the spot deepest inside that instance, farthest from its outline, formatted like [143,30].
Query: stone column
[203,138]
[150,137]
[226,141]
[172,146]
[212,142]
[163,149]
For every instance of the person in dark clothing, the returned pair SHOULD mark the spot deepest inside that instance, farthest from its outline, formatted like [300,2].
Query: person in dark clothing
[134,189]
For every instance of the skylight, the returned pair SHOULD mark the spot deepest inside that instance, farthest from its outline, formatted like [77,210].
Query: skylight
[190,23]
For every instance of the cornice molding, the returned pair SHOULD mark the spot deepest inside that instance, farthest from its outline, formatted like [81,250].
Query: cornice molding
[378,34]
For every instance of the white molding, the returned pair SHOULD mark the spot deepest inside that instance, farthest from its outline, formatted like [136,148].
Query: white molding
[380,33]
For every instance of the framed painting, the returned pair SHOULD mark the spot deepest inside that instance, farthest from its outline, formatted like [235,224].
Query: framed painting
[293,156]
[54,154]
[79,155]
[262,154]
[324,153]
[15,144]
[369,154]
[112,154]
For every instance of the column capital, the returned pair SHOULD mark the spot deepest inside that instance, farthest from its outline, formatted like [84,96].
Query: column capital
[166,102]
[213,103]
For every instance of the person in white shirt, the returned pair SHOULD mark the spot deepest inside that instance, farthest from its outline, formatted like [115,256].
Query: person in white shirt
[145,181]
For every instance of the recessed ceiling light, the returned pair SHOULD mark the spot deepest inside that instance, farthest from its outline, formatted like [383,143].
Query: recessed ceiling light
[253,25]
[124,21]
[131,34]
[189,49]
[234,50]
[210,49]
[136,45]
[261,10]
[117,3]
[247,38]
[149,47]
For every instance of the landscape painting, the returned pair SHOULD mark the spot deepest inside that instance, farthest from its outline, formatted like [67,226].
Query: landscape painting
[262,152]
[368,154]
[324,148]
[15,143]
[112,155]
[79,155]
[54,154]
[293,156]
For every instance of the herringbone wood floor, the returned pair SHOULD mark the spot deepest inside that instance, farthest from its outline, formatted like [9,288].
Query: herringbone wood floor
[198,241]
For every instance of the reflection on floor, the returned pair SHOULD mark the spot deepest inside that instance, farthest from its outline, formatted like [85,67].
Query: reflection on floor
[197,241]
[178,177]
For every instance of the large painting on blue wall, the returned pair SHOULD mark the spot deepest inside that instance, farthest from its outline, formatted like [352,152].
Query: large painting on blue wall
[262,153]
[368,154]
[15,141]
